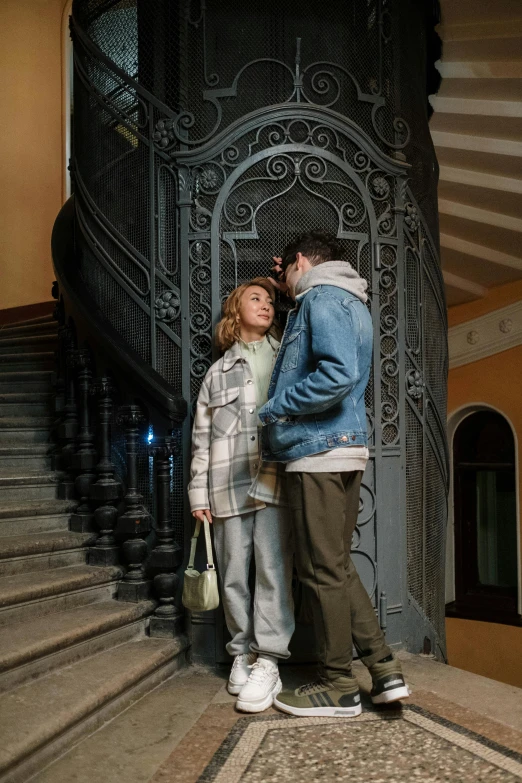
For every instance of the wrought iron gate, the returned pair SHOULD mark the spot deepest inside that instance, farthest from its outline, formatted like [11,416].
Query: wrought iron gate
[195,165]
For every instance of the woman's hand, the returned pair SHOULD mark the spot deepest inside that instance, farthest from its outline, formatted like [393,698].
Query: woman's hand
[278,269]
[201,513]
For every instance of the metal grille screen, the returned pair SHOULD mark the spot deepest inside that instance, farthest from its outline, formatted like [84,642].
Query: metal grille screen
[205,136]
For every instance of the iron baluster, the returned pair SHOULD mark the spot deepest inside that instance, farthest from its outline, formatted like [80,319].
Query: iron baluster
[166,556]
[135,522]
[84,459]
[106,490]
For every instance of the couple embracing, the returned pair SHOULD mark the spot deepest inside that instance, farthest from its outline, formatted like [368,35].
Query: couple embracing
[279,450]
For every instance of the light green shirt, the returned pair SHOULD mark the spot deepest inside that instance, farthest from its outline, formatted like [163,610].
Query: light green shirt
[260,355]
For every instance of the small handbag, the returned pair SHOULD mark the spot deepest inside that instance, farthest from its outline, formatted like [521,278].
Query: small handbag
[200,590]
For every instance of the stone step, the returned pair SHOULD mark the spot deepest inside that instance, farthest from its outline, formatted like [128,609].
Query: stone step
[31,485]
[13,362]
[25,456]
[25,404]
[43,718]
[47,607]
[42,551]
[21,588]
[28,330]
[28,344]
[39,646]
[46,523]
[40,319]
[10,511]
[26,382]
[25,429]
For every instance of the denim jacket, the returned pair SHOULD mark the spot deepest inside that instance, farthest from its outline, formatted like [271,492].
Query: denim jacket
[316,394]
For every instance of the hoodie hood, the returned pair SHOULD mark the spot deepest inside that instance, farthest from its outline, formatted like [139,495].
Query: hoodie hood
[338,273]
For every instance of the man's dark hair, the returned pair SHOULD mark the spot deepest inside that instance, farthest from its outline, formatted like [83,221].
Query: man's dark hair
[317,246]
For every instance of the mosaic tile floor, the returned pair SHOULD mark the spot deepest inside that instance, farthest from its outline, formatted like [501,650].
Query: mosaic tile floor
[429,740]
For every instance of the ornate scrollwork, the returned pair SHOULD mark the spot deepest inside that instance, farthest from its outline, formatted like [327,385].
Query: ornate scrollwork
[389,346]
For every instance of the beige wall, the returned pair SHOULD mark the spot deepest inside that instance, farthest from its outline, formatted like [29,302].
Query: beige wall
[31,168]
[490,649]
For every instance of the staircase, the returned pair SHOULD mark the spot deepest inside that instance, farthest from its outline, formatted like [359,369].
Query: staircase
[71,655]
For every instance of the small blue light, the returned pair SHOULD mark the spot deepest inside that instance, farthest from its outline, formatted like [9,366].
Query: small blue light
[150,434]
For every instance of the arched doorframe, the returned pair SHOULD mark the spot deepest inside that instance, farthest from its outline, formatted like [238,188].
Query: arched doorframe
[455,418]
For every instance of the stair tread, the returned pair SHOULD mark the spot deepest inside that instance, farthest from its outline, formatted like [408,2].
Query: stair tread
[37,319]
[10,509]
[35,713]
[38,584]
[17,476]
[38,543]
[14,447]
[30,639]
[28,339]
[27,375]
[36,328]
[25,422]
[6,357]
[25,397]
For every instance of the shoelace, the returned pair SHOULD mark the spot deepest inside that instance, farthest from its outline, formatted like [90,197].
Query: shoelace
[239,660]
[258,672]
[311,687]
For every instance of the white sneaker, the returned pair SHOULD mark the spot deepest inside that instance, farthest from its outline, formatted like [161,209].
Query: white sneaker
[262,686]
[240,671]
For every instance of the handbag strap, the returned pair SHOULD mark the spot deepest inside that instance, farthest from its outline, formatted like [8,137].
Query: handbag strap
[208,543]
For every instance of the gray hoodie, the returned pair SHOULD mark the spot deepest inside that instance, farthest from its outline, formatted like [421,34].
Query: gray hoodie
[338,273]
[347,458]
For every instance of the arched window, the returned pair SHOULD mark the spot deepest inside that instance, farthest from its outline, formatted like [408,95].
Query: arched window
[486,562]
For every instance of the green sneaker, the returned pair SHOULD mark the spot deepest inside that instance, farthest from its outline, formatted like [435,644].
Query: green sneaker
[388,682]
[339,698]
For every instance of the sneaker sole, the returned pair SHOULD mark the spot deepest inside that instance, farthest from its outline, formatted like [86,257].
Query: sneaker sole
[392,695]
[261,706]
[319,712]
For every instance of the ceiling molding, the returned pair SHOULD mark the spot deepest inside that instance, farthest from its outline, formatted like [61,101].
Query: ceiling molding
[489,144]
[480,251]
[463,284]
[494,69]
[481,337]
[478,106]
[479,179]
[487,216]
[465,31]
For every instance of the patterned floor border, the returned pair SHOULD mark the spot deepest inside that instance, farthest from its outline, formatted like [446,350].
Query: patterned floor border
[239,748]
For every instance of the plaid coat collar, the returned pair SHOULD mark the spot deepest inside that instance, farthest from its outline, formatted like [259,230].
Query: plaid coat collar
[232,356]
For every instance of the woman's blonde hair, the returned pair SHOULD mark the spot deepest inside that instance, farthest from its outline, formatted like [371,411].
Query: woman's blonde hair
[228,329]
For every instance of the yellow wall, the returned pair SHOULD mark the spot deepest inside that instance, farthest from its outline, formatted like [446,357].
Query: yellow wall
[489,649]
[31,168]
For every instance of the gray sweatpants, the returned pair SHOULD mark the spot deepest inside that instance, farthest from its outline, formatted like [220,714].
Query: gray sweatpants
[266,624]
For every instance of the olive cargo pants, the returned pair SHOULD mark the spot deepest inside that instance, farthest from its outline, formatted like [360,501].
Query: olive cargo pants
[324,509]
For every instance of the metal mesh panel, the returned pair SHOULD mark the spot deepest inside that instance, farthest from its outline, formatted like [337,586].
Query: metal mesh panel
[415,506]
[435,528]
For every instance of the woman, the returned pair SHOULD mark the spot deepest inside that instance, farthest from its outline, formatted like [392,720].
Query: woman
[243,497]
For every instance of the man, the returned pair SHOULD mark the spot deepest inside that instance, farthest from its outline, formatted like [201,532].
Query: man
[315,422]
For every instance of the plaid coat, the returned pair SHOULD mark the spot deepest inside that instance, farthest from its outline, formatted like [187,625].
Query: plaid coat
[226,472]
